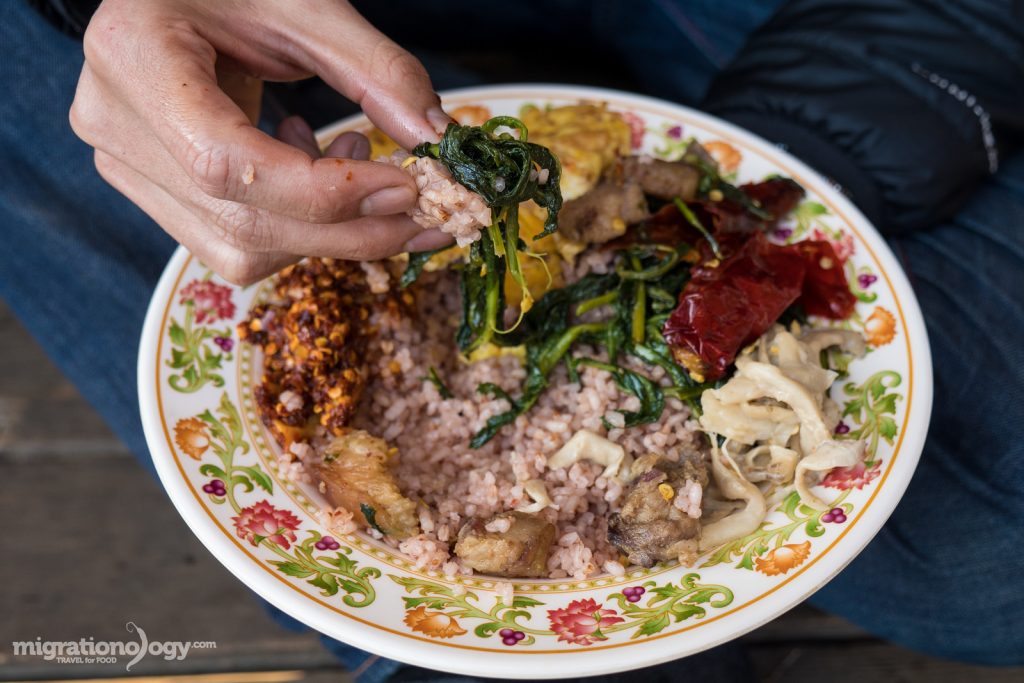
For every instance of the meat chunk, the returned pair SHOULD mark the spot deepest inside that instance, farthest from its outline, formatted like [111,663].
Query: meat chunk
[603,213]
[509,544]
[653,526]
[662,179]
[355,475]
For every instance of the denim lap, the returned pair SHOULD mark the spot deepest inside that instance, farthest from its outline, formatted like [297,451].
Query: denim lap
[943,575]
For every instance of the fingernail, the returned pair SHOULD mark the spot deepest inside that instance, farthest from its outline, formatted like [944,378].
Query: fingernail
[350,145]
[438,119]
[361,149]
[428,240]
[388,201]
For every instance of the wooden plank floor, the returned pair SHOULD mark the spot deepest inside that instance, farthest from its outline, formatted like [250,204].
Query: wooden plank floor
[91,542]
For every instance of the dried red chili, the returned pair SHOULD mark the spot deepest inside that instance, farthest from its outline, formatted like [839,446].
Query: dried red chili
[728,305]
[826,292]
[724,308]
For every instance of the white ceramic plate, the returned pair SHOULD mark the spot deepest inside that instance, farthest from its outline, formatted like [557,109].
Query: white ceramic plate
[216,461]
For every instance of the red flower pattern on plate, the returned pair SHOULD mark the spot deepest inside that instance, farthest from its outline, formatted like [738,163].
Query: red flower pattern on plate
[263,520]
[636,129]
[843,245]
[212,301]
[580,621]
[856,477]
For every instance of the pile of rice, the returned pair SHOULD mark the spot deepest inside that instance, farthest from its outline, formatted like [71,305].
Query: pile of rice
[436,466]
[443,203]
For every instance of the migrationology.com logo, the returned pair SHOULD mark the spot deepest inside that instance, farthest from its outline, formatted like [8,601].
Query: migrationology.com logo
[91,651]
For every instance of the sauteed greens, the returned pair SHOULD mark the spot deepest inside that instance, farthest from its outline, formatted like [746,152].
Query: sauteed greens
[664,303]
[639,295]
[505,170]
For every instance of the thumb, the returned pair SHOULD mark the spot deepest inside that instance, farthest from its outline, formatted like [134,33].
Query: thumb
[390,84]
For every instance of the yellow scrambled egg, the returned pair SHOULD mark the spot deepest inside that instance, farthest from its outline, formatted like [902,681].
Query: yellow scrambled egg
[586,138]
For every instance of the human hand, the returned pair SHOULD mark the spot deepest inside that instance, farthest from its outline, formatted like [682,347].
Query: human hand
[169,95]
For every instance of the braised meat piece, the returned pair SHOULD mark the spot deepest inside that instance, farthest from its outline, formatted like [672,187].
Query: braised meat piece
[603,213]
[660,519]
[509,544]
[355,475]
[662,179]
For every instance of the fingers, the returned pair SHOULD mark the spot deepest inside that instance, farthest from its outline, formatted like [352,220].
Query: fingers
[244,244]
[171,119]
[233,264]
[245,91]
[172,87]
[390,84]
[428,240]
[296,132]
[350,145]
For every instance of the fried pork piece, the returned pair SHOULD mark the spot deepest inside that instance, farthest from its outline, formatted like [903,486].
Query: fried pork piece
[314,342]
[603,213]
[509,544]
[656,523]
[662,179]
[355,475]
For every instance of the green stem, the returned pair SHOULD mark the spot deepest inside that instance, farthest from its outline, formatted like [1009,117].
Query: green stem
[687,393]
[695,222]
[550,359]
[598,301]
[639,305]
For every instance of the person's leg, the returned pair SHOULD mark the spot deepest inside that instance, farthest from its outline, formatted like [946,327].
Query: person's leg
[78,261]
[944,576]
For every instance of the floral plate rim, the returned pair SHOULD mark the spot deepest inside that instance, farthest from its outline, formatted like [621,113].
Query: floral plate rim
[387,641]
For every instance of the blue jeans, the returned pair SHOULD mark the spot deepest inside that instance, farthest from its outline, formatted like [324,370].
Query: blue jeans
[78,263]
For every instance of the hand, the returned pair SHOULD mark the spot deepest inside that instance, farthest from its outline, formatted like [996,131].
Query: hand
[169,94]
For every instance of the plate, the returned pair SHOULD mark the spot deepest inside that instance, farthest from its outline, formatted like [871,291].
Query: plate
[217,462]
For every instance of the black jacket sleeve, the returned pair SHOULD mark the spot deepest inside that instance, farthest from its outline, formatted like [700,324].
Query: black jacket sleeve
[907,104]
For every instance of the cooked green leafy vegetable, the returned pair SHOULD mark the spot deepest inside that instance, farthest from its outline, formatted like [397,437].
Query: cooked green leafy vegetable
[640,292]
[692,219]
[505,170]
[433,378]
[652,398]
[371,517]
[417,262]
[711,180]
[620,313]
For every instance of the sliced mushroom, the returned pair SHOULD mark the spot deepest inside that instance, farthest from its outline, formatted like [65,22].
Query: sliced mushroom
[586,445]
[778,397]
[733,486]
[538,493]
